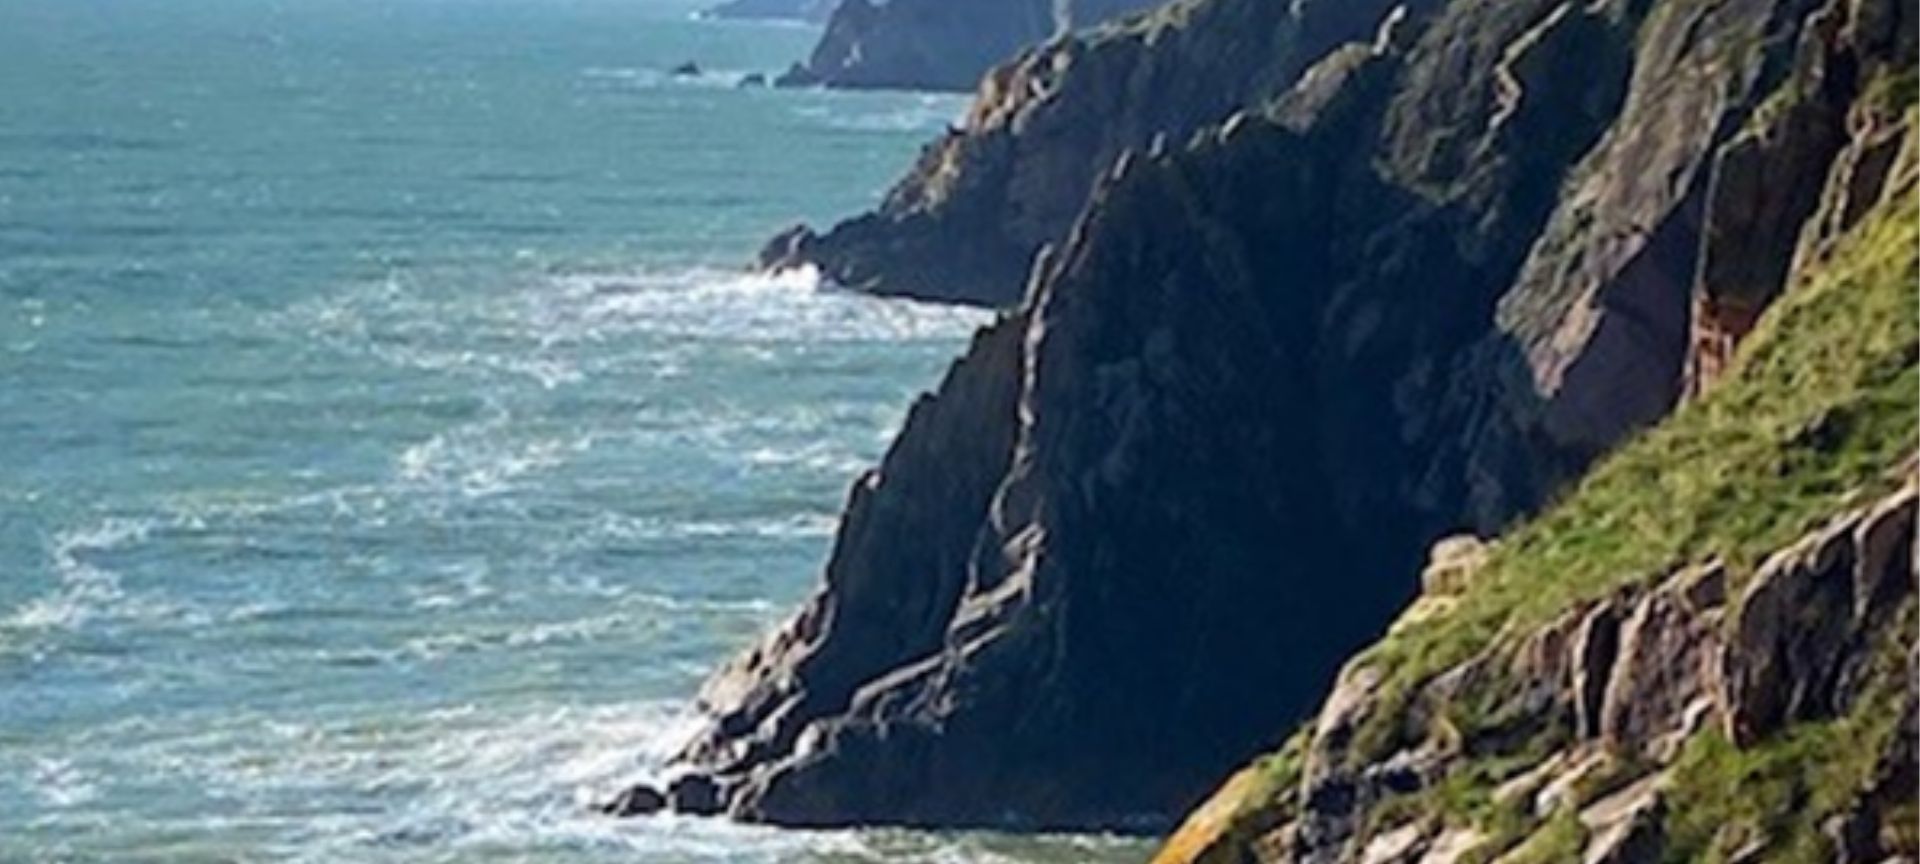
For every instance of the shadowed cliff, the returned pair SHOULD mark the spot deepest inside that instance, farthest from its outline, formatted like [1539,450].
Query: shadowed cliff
[1450,262]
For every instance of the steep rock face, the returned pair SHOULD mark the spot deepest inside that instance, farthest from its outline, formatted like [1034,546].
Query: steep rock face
[1704,653]
[1217,408]
[938,44]
[1733,671]
[1591,340]
[1262,371]
[1760,200]
[897,568]
[966,221]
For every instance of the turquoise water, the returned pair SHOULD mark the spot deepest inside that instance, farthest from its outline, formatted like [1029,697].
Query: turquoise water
[389,441]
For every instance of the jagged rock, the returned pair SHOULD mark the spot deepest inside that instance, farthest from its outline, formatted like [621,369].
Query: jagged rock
[1626,827]
[1528,784]
[1591,340]
[1647,709]
[797,75]
[752,80]
[1404,845]
[1452,846]
[966,222]
[917,513]
[1564,789]
[1451,564]
[689,69]
[935,45]
[1595,646]
[1794,626]
[695,794]
[1660,688]
[1268,365]
[1245,808]
[636,800]
[1765,209]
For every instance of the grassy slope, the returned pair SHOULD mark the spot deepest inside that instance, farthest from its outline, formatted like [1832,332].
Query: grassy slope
[1820,404]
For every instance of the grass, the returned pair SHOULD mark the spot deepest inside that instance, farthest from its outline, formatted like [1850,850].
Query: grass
[1777,793]
[1251,803]
[1819,405]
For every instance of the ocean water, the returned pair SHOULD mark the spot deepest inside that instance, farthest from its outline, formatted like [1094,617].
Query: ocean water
[389,438]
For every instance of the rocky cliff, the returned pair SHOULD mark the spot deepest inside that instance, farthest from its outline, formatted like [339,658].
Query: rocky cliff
[966,221]
[938,44]
[1707,652]
[1421,289]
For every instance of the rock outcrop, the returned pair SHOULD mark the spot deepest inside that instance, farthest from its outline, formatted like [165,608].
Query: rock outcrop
[938,44]
[1759,200]
[965,223]
[1574,696]
[1735,671]
[1418,291]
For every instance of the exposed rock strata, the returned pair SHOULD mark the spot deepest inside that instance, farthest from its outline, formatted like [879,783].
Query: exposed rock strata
[938,44]
[1734,667]
[967,220]
[1260,374]
[1764,211]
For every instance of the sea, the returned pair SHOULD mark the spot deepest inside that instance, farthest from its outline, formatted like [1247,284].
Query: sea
[392,436]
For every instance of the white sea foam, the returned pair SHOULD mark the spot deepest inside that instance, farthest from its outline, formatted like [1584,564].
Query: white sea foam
[929,113]
[649,78]
[484,457]
[61,784]
[85,590]
[792,305]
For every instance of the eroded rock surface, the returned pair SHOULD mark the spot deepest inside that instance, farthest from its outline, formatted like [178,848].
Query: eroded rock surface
[938,44]
[1733,666]
[1414,293]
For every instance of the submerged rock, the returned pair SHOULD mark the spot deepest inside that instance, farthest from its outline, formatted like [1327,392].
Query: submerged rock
[695,794]
[636,800]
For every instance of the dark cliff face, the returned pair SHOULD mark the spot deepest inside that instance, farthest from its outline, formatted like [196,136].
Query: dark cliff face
[939,44]
[1137,527]
[1705,652]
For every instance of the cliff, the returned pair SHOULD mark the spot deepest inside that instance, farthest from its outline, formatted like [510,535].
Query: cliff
[1421,289]
[1706,652]
[964,224]
[937,44]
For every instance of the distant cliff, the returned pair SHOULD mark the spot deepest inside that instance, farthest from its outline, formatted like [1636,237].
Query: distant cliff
[1341,280]
[938,44]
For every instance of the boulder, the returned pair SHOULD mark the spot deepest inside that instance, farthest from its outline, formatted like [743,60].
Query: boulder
[696,794]
[637,800]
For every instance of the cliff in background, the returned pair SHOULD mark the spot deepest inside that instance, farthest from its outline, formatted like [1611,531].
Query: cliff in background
[1458,255]
[938,44]
[966,221]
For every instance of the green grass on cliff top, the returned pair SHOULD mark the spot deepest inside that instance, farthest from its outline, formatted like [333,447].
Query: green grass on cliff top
[1821,402]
